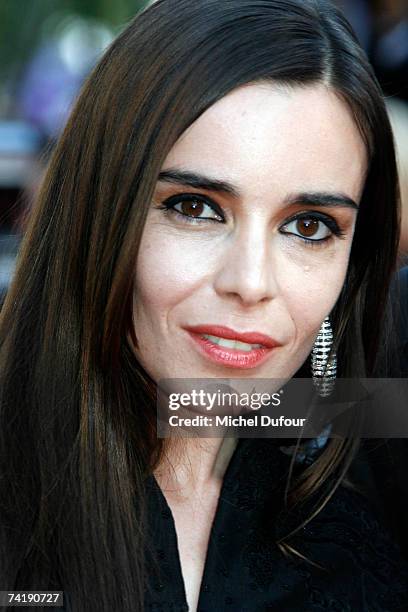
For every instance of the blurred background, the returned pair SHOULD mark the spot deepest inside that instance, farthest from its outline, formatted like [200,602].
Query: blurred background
[47,47]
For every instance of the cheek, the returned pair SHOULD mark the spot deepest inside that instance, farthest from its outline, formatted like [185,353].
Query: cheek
[173,266]
[168,269]
[310,284]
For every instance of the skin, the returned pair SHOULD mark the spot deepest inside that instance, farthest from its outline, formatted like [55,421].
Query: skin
[271,144]
[250,273]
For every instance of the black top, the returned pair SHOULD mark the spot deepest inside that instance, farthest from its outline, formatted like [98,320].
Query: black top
[245,571]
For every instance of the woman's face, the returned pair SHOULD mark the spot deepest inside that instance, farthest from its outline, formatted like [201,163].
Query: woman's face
[250,229]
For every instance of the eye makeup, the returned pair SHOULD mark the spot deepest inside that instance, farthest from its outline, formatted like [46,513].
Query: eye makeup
[313,220]
[318,227]
[199,202]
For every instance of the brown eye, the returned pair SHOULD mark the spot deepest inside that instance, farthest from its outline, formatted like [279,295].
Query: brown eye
[189,208]
[192,208]
[310,228]
[307,227]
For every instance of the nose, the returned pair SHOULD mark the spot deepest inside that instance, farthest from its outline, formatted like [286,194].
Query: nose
[246,270]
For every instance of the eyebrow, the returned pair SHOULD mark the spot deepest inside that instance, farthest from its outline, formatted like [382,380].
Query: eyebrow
[199,181]
[322,198]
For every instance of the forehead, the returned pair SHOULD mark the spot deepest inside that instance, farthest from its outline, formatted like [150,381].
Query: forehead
[269,134]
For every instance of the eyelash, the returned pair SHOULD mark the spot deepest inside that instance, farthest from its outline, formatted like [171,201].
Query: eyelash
[168,207]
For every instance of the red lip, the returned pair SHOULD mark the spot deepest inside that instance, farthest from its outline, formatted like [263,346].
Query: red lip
[231,334]
[229,357]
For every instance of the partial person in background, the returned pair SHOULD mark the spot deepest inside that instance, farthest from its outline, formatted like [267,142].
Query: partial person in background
[382,29]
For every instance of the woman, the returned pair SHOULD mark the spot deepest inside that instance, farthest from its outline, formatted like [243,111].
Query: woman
[227,164]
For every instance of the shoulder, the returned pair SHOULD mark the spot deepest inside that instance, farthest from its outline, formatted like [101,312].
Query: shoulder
[343,559]
[351,542]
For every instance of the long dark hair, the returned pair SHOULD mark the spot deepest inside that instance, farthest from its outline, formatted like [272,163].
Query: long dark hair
[77,412]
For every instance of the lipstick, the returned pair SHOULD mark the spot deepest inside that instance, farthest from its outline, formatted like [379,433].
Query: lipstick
[226,355]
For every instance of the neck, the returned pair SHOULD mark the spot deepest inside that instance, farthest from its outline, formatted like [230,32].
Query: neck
[190,465]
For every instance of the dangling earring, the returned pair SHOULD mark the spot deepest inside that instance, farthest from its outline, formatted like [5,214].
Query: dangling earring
[324,369]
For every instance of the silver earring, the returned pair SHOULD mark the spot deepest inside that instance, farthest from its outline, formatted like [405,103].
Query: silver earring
[324,369]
